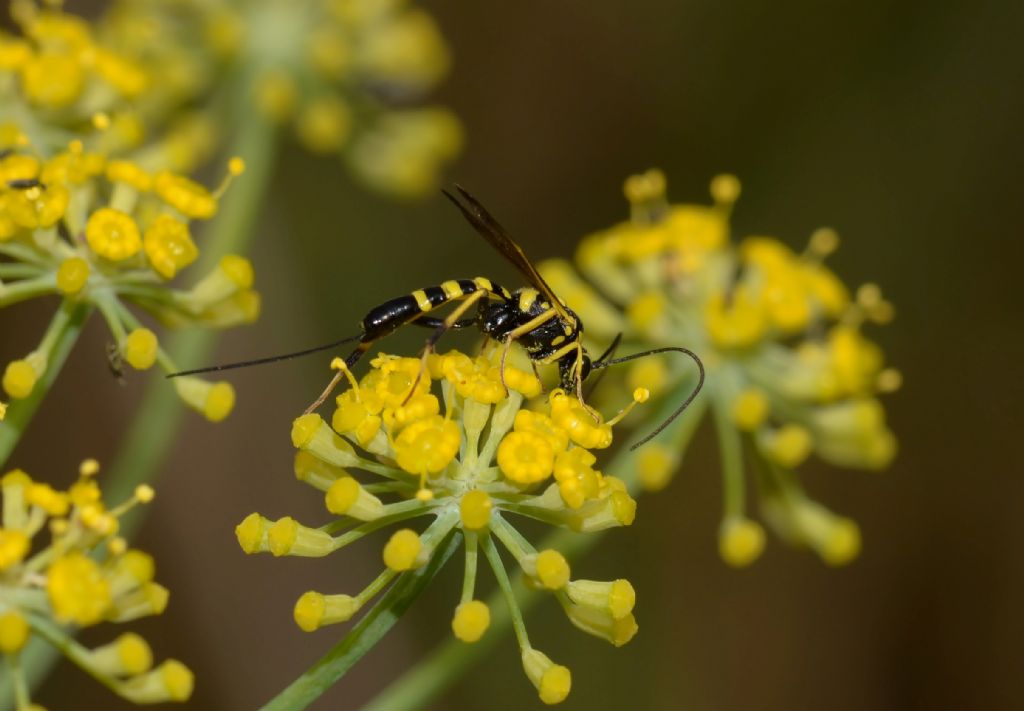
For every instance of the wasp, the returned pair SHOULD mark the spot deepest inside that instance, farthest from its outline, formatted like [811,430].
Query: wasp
[533,316]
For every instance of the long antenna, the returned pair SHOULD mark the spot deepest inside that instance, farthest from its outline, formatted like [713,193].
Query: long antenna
[268,359]
[686,403]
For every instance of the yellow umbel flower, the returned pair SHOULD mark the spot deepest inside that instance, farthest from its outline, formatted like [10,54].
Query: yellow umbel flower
[83,575]
[61,70]
[440,437]
[343,76]
[136,237]
[790,373]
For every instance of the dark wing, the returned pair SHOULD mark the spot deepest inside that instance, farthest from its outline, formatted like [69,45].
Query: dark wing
[497,237]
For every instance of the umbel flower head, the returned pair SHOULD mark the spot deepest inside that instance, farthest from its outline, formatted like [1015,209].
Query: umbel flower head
[790,372]
[343,75]
[106,233]
[472,460]
[58,73]
[63,564]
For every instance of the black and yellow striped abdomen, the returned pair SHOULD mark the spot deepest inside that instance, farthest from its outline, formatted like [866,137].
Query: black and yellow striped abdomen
[390,315]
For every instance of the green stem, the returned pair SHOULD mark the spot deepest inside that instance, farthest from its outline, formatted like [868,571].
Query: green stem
[26,289]
[364,636]
[63,643]
[429,678]
[60,338]
[469,576]
[730,446]
[505,587]
[21,697]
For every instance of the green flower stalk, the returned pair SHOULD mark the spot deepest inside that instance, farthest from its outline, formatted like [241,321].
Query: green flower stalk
[790,373]
[85,575]
[471,467]
[343,75]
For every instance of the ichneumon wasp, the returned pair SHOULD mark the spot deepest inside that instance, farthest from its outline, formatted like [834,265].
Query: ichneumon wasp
[533,316]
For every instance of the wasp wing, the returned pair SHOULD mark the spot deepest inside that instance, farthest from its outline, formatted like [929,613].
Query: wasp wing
[488,228]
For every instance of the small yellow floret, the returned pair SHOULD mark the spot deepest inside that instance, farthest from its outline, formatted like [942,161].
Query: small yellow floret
[238,269]
[19,379]
[725,188]
[842,543]
[186,196]
[236,166]
[313,610]
[427,446]
[219,402]
[128,655]
[324,124]
[471,621]
[553,681]
[113,234]
[14,632]
[790,446]
[169,246]
[123,171]
[655,466]
[89,467]
[289,537]
[140,348]
[402,550]
[52,79]
[252,533]
[750,409]
[740,541]
[178,680]
[134,653]
[72,275]
[475,509]
[526,457]
[44,496]
[13,547]
[552,569]
[144,493]
[77,589]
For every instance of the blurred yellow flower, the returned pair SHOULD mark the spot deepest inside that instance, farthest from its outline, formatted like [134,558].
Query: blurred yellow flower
[84,575]
[344,75]
[790,372]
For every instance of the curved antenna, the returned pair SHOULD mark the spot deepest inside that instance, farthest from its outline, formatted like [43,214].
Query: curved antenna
[268,359]
[686,403]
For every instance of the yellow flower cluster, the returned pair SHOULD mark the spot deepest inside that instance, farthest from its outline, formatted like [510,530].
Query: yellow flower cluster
[340,73]
[106,232]
[56,75]
[472,457]
[85,575]
[790,372]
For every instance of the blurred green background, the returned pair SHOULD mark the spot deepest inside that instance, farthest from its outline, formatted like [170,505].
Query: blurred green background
[898,123]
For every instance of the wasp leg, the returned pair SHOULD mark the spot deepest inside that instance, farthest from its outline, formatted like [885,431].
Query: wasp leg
[350,360]
[447,323]
[520,331]
[577,372]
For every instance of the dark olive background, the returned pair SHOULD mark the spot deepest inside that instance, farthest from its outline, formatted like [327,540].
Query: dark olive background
[898,123]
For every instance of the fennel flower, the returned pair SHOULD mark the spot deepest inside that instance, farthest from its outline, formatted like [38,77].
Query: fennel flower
[109,233]
[472,461]
[84,575]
